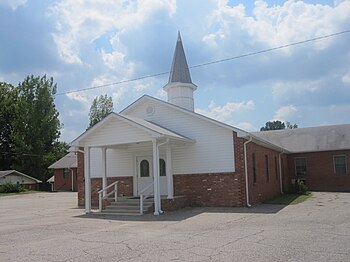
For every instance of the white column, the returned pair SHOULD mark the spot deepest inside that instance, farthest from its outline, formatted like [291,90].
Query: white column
[87,176]
[155,177]
[169,172]
[158,184]
[104,169]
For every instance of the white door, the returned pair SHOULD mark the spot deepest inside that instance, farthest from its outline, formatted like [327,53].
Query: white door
[145,174]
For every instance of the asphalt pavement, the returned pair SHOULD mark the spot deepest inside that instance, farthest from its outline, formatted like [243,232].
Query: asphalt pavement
[49,227]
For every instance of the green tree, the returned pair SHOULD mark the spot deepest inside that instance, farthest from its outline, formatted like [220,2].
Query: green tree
[277,125]
[291,126]
[8,103]
[273,125]
[36,126]
[100,108]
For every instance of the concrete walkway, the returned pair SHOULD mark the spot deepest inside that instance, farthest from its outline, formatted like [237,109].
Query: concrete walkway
[49,227]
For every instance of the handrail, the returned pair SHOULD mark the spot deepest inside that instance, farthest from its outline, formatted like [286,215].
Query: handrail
[100,193]
[143,197]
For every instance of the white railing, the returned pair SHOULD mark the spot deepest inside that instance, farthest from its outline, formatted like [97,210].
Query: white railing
[143,195]
[106,195]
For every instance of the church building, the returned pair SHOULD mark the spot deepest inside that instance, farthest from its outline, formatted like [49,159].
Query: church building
[162,155]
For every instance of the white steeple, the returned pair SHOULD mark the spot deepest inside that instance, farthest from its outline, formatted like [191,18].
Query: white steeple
[180,87]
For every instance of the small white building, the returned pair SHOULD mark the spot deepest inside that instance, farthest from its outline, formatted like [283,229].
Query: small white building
[20,179]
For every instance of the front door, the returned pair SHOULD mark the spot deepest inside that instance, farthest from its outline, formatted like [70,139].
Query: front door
[145,174]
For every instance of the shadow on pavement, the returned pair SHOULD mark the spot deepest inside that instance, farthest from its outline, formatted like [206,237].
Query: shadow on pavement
[188,212]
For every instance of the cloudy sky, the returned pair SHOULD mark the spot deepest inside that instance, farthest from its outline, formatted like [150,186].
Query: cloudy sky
[90,43]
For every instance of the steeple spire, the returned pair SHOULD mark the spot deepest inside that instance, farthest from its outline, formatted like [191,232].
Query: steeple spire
[179,68]
[180,87]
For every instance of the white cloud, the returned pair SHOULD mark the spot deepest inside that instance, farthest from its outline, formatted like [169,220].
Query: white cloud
[245,126]
[281,89]
[79,23]
[82,97]
[276,25]
[346,79]
[225,113]
[285,113]
[14,4]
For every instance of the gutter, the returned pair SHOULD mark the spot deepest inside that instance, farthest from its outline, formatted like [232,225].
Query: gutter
[280,166]
[158,184]
[246,170]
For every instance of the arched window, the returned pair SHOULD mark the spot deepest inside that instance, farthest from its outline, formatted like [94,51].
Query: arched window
[144,168]
[162,168]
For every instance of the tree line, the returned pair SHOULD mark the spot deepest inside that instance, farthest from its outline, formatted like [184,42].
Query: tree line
[30,127]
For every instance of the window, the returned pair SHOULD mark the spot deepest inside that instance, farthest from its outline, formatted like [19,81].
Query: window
[300,166]
[276,168]
[66,172]
[267,168]
[144,168]
[254,168]
[162,168]
[339,165]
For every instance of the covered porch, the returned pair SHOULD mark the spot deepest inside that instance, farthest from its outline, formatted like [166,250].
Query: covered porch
[121,146]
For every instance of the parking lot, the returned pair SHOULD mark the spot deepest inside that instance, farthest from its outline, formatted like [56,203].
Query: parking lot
[50,227]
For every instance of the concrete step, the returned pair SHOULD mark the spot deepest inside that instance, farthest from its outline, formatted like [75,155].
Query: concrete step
[128,206]
[119,213]
[115,208]
[130,203]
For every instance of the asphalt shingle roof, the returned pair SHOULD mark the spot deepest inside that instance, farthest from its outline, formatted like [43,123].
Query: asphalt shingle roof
[311,139]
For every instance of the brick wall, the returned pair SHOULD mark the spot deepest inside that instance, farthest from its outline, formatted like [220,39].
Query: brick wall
[215,189]
[212,189]
[125,187]
[80,178]
[320,171]
[264,188]
[176,203]
[65,184]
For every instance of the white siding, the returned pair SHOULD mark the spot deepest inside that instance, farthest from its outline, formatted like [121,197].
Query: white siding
[120,162]
[213,150]
[13,178]
[116,132]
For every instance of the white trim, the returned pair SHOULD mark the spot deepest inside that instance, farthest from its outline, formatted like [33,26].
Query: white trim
[131,106]
[280,167]
[155,177]
[246,171]
[104,169]
[169,172]
[157,132]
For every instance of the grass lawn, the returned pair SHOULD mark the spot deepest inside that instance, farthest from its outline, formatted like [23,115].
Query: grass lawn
[289,199]
[19,193]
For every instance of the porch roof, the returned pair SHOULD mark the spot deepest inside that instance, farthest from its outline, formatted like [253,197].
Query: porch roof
[148,130]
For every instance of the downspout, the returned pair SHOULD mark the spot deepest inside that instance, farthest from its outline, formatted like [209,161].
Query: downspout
[72,174]
[159,198]
[246,170]
[280,164]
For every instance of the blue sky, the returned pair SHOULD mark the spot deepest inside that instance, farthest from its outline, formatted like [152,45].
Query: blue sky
[88,43]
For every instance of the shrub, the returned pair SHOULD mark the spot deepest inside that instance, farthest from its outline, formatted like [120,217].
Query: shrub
[10,188]
[300,187]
